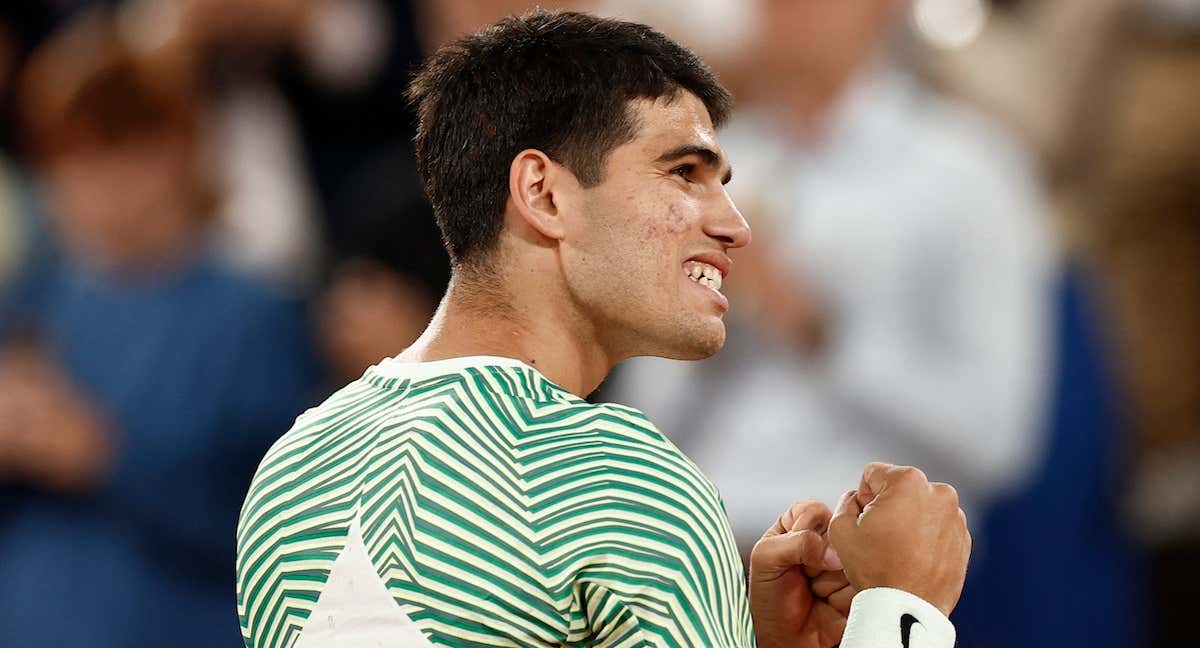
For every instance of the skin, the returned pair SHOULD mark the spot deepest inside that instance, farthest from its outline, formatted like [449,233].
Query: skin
[799,592]
[900,530]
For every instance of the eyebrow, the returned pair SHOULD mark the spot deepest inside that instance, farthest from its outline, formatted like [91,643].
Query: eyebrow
[711,158]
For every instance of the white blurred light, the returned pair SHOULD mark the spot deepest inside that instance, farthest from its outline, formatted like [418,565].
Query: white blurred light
[950,24]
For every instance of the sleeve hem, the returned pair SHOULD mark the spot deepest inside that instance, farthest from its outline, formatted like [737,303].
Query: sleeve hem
[883,616]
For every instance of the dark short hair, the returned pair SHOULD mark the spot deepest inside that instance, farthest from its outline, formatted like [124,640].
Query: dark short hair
[558,82]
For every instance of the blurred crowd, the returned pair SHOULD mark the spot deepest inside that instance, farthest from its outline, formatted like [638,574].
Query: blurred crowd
[977,251]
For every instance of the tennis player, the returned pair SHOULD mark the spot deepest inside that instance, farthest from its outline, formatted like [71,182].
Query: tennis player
[464,493]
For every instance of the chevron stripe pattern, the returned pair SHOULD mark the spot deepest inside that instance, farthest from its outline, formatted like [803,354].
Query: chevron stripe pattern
[498,509]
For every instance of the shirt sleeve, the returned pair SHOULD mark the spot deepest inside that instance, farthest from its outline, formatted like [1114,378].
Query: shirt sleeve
[654,563]
[653,600]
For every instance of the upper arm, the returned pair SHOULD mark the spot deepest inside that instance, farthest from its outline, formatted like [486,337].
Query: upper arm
[657,562]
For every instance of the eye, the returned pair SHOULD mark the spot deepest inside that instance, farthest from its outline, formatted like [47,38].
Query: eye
[684,171]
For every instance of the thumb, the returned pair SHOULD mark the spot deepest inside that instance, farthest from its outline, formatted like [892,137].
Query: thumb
[845,519]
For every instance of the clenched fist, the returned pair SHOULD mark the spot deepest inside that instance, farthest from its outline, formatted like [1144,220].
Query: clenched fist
[898,530]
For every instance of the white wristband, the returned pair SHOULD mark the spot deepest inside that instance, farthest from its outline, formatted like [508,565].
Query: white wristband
[882,617]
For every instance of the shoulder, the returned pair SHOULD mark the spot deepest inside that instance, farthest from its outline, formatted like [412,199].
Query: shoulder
[637,484]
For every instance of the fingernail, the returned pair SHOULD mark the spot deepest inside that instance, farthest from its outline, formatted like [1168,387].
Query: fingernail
[832,560]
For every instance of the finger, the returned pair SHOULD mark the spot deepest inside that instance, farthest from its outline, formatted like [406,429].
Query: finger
[828,583]
[879,478]
[833,562]
[874,477]
[830,561]
[813,516]
[840,600]
[799,516]
[774,555]
[848,506]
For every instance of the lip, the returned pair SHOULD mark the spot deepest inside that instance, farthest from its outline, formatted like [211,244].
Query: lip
[716,260]
[721,300]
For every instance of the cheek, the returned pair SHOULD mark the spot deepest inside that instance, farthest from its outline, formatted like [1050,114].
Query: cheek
[668,224]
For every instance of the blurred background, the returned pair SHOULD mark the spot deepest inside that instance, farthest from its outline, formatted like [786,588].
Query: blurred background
[977,250]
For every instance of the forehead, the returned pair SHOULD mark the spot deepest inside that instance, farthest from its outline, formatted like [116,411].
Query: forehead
[667,123]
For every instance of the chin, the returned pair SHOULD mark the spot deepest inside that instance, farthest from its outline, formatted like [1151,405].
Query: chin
[699,344]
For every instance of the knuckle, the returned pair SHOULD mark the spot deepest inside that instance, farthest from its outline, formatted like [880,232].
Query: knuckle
[947,493]
[877,466]
[910,476]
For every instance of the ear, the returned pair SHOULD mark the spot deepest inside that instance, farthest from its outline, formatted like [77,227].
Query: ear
[535,184]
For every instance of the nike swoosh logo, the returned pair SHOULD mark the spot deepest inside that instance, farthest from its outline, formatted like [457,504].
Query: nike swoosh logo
[906,624]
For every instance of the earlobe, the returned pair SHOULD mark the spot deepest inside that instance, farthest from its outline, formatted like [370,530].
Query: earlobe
[532,181]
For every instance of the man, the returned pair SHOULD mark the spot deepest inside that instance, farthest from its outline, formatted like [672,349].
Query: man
[464,493]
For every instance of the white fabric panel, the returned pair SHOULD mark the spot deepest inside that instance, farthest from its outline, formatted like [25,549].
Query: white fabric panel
[355,609]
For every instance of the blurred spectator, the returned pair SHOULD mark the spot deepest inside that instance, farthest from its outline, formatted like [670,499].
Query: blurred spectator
[314,142]
[900,287]
[147,380]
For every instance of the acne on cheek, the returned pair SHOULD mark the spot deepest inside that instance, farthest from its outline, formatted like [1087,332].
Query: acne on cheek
[677,221]
[674,223]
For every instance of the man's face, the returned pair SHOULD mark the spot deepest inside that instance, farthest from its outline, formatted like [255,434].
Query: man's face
[646,256]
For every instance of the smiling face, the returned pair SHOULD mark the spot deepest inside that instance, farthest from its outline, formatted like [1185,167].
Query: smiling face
[645,257]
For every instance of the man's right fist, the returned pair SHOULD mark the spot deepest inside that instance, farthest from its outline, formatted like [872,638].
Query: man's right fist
[900,531]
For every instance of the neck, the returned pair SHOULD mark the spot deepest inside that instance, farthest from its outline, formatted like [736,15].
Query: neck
[474,319]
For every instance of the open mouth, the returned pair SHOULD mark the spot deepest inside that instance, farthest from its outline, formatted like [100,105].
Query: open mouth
[703,274]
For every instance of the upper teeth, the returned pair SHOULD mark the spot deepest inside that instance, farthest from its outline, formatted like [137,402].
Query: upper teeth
[703,274]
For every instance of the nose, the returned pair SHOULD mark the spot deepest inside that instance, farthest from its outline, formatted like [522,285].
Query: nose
[726,224]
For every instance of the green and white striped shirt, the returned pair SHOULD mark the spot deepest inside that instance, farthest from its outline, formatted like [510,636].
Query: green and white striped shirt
[472,502]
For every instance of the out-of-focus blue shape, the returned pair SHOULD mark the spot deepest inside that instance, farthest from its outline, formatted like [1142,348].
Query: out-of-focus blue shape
[1055,567]
[198,372]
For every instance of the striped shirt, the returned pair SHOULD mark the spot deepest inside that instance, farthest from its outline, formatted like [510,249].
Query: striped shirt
[472,502]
